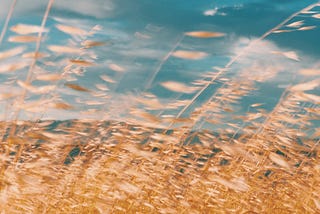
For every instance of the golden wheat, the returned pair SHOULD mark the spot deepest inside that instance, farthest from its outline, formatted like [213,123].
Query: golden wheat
[173,157]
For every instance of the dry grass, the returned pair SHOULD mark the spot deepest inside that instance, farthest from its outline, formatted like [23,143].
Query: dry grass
[257,161]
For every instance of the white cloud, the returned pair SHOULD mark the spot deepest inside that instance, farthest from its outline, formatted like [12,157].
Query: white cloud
[264,57]
[213,12]
[96,8]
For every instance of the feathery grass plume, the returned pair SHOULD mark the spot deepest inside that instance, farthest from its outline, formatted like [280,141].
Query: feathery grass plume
[200,147]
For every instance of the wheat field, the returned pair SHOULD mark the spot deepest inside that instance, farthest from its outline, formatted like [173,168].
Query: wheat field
[217,142]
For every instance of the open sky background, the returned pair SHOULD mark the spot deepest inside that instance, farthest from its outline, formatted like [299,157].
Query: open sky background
[139,34]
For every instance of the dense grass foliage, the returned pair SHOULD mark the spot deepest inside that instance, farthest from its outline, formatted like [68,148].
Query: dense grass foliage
[214,146]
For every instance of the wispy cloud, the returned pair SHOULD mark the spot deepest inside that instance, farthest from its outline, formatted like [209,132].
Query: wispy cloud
[96,8]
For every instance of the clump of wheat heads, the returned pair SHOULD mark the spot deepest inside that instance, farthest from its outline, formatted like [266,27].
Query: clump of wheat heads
[255,162]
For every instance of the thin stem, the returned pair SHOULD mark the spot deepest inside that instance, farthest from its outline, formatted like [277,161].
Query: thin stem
[33,63]
[242,53]
[164,59]
[29,76]
[6,23]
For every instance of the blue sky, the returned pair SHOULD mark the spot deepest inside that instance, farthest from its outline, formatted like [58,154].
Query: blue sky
[139,35]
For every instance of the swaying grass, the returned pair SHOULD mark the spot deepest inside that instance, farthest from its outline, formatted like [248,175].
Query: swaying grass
[207,158]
